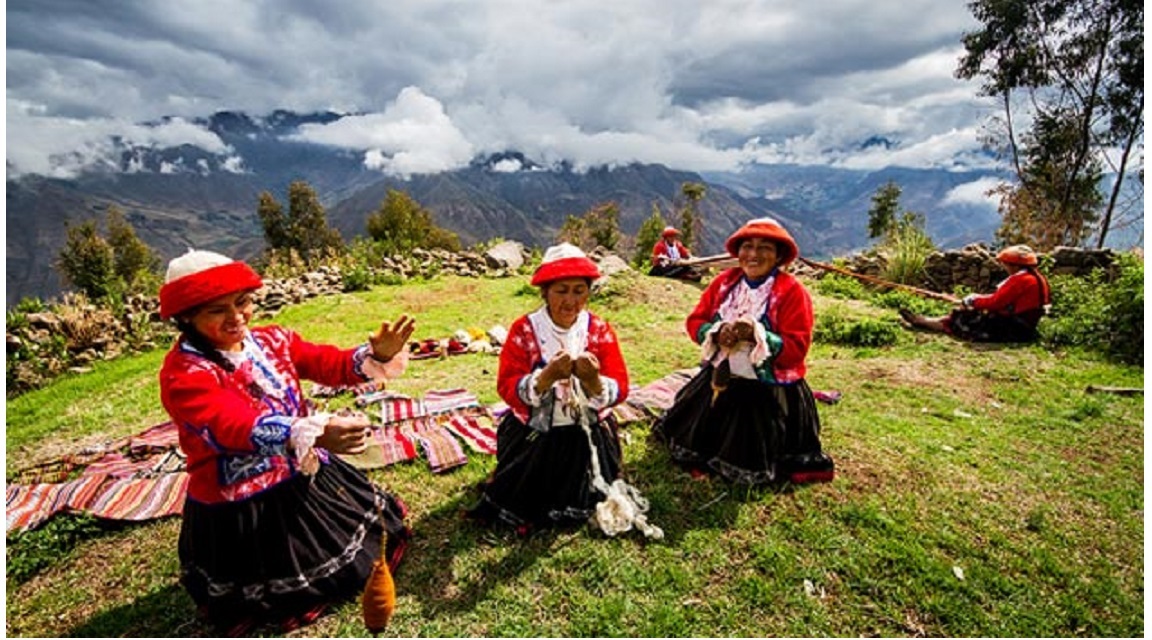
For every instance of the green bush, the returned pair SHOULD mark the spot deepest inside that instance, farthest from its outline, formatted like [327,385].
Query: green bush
[1103,311]
[835,285]
[835,328]
[27,553]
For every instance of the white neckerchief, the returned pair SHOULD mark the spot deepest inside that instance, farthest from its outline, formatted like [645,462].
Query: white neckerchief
[743,300]
[673,252]
[552,339]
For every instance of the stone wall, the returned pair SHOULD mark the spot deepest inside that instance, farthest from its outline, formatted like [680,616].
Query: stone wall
[975,268]
[72,333]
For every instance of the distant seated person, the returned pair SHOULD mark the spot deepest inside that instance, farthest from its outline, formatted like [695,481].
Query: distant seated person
[667,255]
[1009,314]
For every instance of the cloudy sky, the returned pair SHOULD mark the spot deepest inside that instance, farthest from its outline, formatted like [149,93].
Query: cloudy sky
[693,84]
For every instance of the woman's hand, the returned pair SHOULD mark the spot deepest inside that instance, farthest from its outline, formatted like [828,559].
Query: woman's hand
[391,338]
[345,434]
[732,332]
[587,370]
[557,369]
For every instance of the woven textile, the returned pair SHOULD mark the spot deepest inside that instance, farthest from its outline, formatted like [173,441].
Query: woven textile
[398,409]
[657,396]
[117,465]
[475,430]
[161,437]
[29,506]
[141,498]
[449,400]
[440,448]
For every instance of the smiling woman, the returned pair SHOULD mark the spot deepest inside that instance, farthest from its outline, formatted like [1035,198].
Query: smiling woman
[561,372]
[274,527]
[749,415]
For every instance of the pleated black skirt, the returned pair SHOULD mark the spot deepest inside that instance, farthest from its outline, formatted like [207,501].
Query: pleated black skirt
[752,433]
[305,542]
[545,479]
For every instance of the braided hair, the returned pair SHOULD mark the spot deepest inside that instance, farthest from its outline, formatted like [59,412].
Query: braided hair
[198,341]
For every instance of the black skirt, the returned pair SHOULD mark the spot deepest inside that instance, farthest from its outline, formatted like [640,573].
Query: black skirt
[979,326]
[544,479]
[753,433]
[305,542]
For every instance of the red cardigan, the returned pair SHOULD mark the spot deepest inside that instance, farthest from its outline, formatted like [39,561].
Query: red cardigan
[661,249]
[237,445]
[520,356]
[788,315]
[1022,293]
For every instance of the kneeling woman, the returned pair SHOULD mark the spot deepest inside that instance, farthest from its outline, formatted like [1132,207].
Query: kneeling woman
[560,367]
[749,415]
[274,525]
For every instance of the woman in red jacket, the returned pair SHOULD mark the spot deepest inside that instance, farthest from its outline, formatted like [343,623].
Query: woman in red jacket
[667,253]
[1009,314]
[274,525]
[749,415]
[560,369]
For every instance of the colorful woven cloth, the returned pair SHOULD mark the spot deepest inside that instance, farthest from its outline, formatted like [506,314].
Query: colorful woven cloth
[161,437]
[448,400]
[657,396]
[117,465]
[440,448]
[475,430]
[141,498]
[29,506]
[400,409]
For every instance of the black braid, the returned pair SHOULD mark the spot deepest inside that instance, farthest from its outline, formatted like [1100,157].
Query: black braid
[202,344]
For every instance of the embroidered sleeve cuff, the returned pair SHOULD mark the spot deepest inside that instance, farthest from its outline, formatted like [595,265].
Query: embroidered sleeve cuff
[609,394]
[369,367]
[270,434]
[527,389]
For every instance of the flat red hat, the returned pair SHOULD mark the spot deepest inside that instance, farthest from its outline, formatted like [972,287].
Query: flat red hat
[1020,254]
[764,228]
[201,276]
[669,231]
[564,261]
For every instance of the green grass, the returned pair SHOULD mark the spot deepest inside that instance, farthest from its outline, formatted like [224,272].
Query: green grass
[990,463]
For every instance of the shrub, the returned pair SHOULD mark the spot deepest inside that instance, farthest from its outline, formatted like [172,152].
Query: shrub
[1103,311]
[833,327]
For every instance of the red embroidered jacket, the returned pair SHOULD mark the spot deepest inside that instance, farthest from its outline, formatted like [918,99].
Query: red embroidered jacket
[237,445]
[520,356]
[661,249]
[1023,293]
[788,315]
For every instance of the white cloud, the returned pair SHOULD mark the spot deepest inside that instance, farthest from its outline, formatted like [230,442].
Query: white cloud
[975,192]
[413,135]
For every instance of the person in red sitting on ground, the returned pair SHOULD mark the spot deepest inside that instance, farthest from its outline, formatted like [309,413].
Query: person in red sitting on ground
[749,415]
[666,255]
[1009,314]
[274,525]
[561,369]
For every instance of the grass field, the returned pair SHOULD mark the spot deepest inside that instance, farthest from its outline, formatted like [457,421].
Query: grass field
[980,491]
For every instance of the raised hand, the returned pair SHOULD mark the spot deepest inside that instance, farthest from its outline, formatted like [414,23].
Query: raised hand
[391,338]
[557,369]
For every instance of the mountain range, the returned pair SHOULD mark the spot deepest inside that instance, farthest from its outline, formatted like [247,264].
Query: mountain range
[186,196]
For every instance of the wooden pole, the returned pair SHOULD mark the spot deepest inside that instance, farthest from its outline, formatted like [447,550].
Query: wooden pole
[883,283]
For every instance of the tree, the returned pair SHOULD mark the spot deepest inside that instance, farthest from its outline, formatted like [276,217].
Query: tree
[882,215]
[1073,71]
[647,237]
[105,268]
[597,227]
[134,262]
[691,225]
[401,225]
[304,230]
[87,261]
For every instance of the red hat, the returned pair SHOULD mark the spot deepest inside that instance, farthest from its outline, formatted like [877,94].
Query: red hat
[201,276]
[564,261]
[669,232]
[764,228]
[1019,254]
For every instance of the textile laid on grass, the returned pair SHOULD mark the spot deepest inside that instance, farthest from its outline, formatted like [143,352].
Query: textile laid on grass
[137,478]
